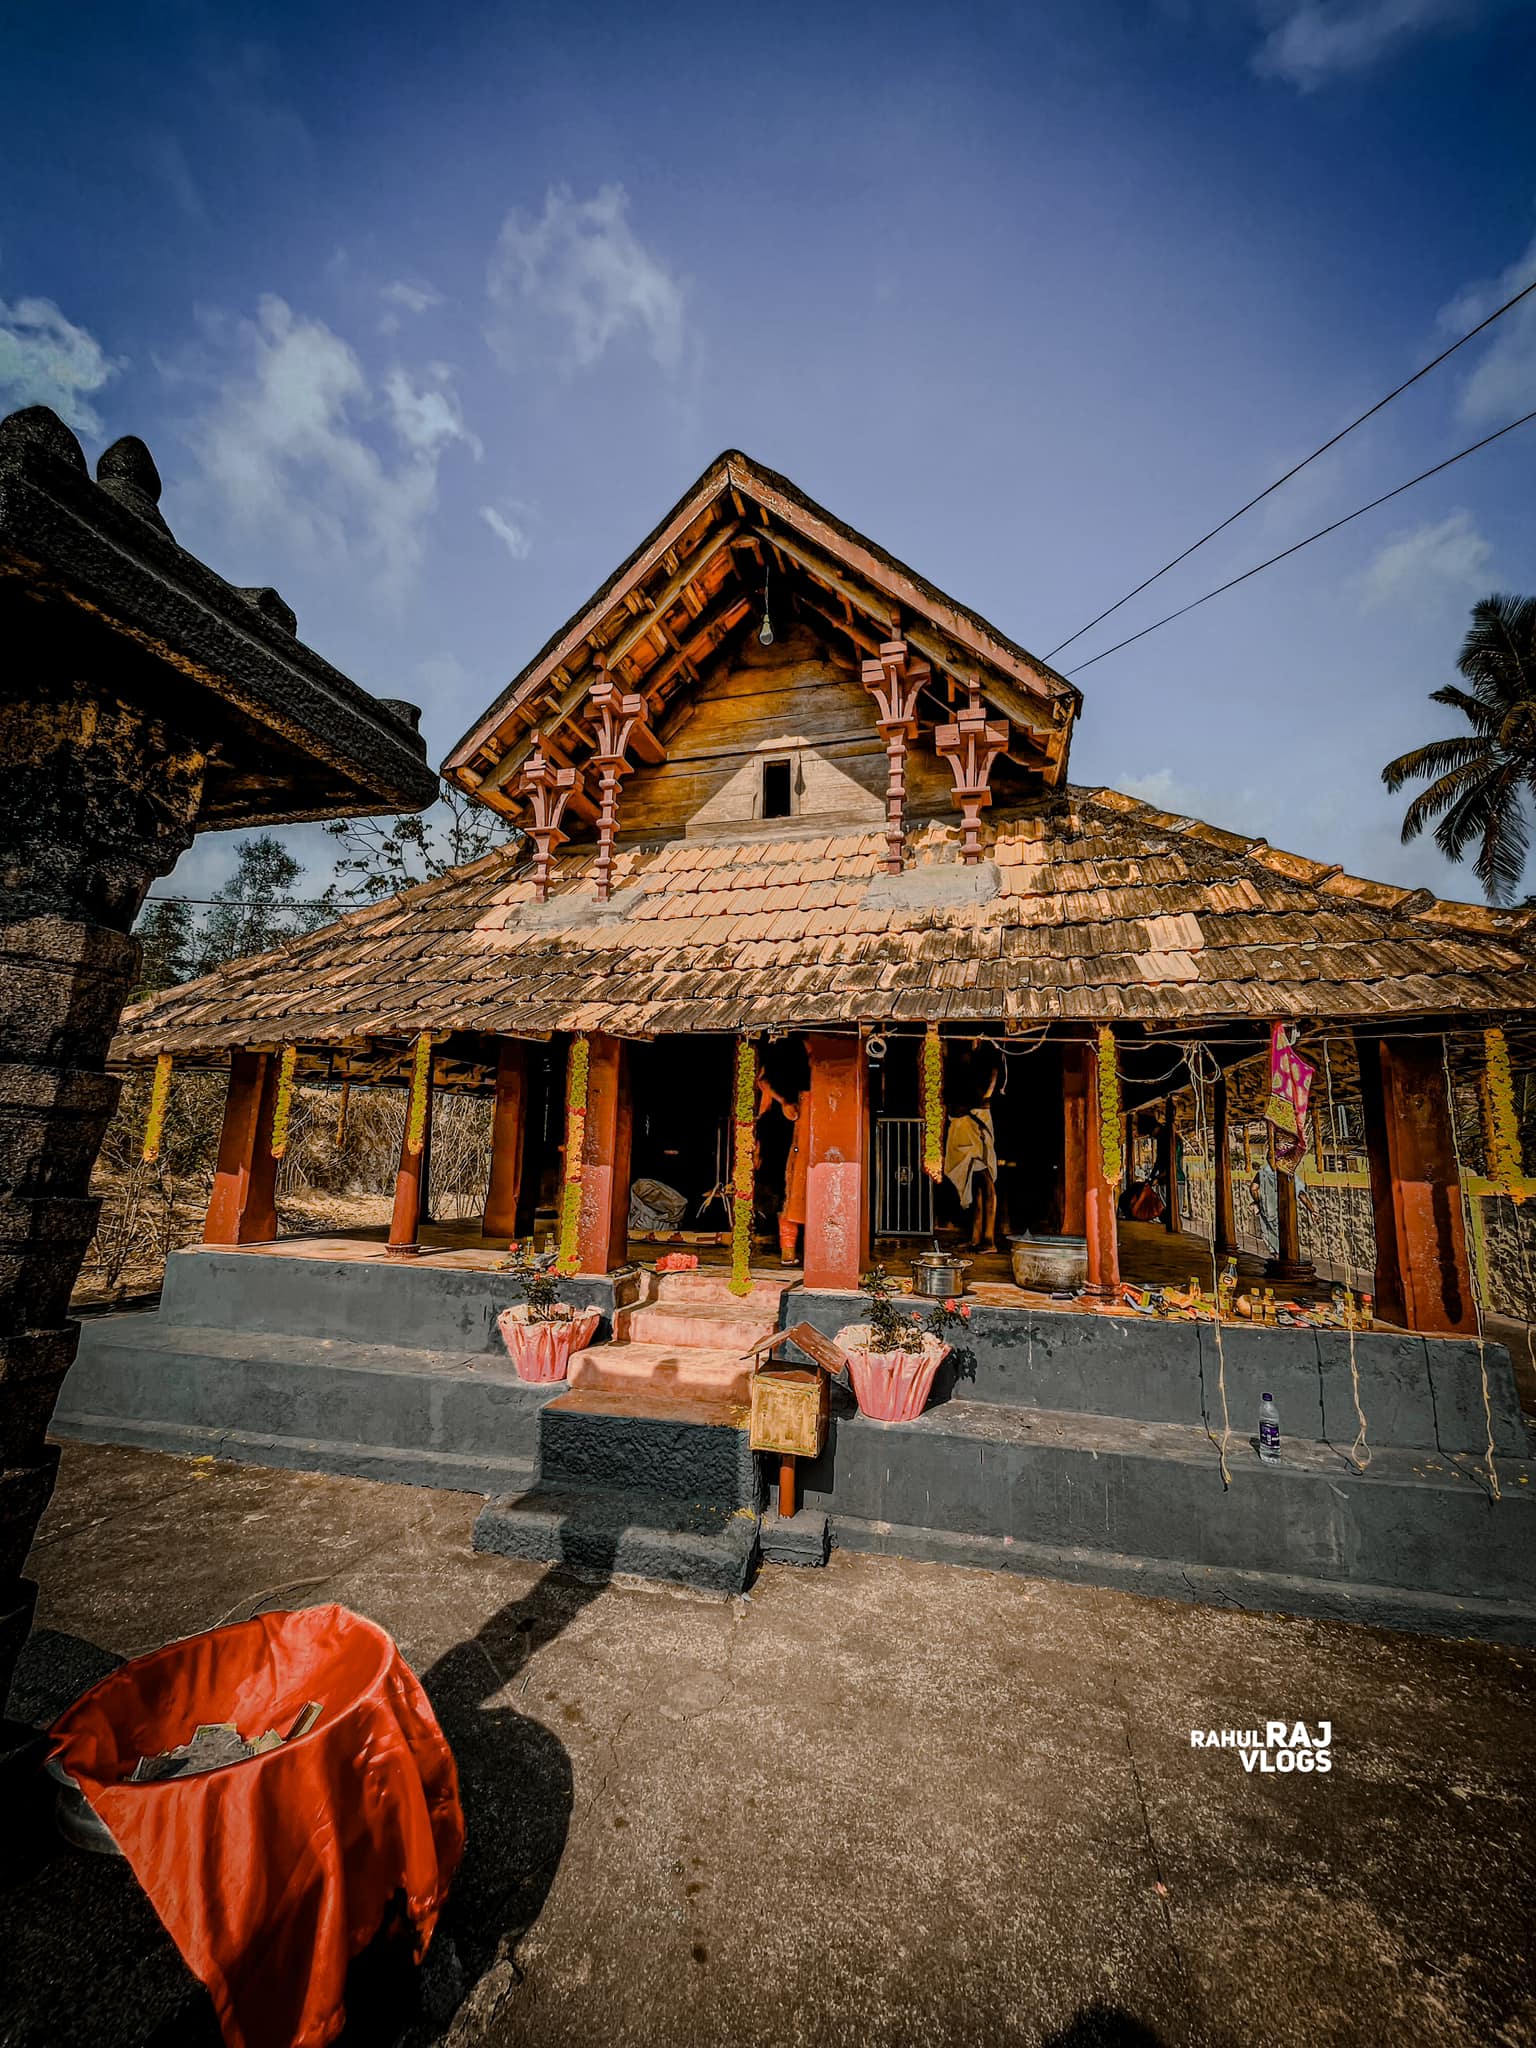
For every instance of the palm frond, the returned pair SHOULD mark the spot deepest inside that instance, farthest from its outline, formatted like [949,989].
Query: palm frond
[1437,757]
[1499,652]
[1429,803]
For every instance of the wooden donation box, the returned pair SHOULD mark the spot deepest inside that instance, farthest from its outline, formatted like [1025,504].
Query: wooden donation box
[789,1411]
[789,1402]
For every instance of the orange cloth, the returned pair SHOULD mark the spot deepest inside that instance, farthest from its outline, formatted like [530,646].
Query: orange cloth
[271,1875]
[797,1166]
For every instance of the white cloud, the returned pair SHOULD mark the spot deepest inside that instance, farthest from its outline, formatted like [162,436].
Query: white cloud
[46,359]
[581,270]
[167,161]
[1427,565]
[402,296]
[1318,40]
[1503,385]
[429,418]
[295,441]
[518,543]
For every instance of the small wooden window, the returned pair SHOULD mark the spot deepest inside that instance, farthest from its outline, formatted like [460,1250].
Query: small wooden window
[778,789]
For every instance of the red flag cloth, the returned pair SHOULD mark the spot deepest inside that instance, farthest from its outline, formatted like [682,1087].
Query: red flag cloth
[272,1874]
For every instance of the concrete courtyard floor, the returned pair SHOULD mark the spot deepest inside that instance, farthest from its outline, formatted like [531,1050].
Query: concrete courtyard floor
[884,1803]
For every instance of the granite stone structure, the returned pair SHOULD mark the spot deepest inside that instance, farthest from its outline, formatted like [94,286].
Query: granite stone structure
[143,699]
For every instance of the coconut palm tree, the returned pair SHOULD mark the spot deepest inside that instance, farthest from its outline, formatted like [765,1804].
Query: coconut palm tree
[1483,777]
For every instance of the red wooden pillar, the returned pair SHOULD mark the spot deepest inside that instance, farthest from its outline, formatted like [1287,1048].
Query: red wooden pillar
[410,1183]
[242,1208]
[1221,1168]
[1098,1198]
[509,1125]
[1168,1167]
[1074,1158]
[1423,1278]
[602,1236]
[837,1180]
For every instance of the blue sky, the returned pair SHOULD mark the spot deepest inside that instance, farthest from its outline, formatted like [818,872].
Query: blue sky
[428,314]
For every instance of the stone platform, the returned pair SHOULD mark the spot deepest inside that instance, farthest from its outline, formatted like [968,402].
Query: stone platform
[1082,1445]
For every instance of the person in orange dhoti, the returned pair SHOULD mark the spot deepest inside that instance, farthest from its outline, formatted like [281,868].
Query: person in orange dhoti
[792,1216]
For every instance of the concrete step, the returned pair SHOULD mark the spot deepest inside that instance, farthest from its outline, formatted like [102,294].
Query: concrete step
[687,1371]
[716,1287]
[707,1546]
[624,1441]
[705,1325]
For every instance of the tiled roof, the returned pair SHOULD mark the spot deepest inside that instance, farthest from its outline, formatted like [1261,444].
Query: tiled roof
[1090,906]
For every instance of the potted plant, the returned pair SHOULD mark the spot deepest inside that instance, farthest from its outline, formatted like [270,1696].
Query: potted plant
[893,1357]
[542,1331]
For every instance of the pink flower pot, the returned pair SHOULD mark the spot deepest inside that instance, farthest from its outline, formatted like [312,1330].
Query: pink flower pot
[542,1351]
[891,1386]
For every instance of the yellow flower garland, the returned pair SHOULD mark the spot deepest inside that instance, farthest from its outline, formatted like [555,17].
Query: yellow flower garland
[1501,1125]
[575,1142]
[159,1101]
[933,1103]
[282,1108]
[744,1159]
[1111,1151]
[421,1082]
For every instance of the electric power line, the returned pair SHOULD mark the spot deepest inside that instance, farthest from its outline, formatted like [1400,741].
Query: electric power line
[1296,546]
[1470,334]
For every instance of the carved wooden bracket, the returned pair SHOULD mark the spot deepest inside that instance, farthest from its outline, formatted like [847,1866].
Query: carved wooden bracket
[970,745]
[548,790]
[619,717]
[895,684]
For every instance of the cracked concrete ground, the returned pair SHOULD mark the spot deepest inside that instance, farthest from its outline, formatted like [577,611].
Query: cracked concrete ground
[884,1803]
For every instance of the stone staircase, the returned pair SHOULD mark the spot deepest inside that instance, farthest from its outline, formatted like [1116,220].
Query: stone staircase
[644,1463]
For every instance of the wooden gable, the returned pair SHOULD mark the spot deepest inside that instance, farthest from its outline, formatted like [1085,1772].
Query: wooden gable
[676,626]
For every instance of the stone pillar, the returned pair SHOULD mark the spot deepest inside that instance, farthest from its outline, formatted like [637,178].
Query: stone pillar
[1099,1198]
[1074,1164]
[1423,1277]
[1168,1166]
[242,1208]
[602,1236]
[509,1125]
[410,1182]
[1221,1168]
[99,800]
[837,1177]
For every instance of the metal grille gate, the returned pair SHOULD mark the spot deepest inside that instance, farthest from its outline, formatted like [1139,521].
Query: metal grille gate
[903,1192]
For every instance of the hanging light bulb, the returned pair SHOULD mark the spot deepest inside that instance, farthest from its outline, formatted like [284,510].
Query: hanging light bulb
[765,630]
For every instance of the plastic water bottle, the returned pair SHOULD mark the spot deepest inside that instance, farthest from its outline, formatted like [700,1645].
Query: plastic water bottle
[1269,1430]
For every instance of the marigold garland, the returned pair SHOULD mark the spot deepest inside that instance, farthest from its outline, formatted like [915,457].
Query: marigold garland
[159,1101]
[933,1103]
[744,1159]
[282,1108]
[1501,1125]
[421,1083]
[1111,1151]
[575,1143]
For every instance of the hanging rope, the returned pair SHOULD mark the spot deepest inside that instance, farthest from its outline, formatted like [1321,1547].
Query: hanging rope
[743,1160]
[575,1141]
[1359,1450]
[1477,1306]
[159,1102]
[1204,1069]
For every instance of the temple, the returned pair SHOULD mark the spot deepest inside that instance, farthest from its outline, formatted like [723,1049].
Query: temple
[777,792]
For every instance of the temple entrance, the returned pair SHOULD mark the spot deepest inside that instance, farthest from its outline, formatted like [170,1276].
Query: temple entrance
[680,1166]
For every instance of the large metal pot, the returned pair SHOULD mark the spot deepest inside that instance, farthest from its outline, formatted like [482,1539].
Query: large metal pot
[939,1275]
[1050,1265]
